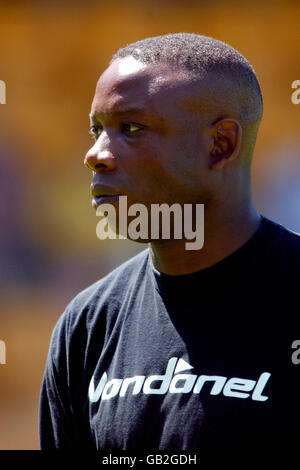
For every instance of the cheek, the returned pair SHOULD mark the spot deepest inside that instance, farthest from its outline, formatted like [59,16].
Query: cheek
[163,170]
[145,157]
[193,159]
[188,170]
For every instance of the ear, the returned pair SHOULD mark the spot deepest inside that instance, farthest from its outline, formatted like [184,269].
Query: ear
[226,142]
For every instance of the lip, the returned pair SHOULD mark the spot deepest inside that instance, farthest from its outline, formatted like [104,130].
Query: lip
[104,198]
[99,190]
[103,193]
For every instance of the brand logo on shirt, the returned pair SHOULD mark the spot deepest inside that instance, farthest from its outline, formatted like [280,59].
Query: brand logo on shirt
[173,381]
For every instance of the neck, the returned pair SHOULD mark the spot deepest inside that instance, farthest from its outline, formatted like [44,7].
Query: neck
[224,233]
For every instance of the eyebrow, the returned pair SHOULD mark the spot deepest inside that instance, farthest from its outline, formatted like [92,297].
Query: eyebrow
[95,116]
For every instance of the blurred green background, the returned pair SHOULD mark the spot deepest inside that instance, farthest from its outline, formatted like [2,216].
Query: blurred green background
[51,56]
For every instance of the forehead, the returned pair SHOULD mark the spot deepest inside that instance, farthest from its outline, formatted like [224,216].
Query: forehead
[130,83]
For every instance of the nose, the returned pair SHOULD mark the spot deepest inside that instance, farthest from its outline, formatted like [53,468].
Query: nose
[99,158]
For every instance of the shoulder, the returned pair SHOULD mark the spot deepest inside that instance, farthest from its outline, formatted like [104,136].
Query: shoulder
[283,238]
[282,250]
[115,284]
[100,302]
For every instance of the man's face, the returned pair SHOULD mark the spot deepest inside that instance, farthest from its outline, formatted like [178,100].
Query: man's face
[149,143]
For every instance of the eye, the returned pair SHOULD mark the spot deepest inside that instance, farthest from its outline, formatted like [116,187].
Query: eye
[130,128]
[95,131]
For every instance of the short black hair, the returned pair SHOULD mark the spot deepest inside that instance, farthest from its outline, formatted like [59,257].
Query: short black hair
[200,55]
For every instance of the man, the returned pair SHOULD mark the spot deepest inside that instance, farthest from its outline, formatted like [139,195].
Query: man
[176,348]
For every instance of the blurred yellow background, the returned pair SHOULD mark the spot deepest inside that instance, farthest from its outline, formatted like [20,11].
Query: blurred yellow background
[51,54]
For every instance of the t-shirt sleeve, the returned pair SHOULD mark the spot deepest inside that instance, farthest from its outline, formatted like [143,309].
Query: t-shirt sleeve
[57,426]
[56,431]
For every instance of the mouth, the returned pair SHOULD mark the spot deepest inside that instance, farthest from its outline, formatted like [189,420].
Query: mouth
[103,194]
[104,198]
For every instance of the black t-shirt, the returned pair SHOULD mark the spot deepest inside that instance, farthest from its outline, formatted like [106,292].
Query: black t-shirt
[144,360]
